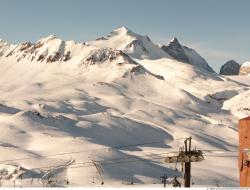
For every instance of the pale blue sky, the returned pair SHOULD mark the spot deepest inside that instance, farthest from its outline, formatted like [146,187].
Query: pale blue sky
[218,29]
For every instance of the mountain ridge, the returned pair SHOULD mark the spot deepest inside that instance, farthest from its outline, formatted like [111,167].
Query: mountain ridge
[52,49]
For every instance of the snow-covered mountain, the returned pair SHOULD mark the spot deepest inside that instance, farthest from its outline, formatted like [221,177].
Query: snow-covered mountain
[52,49]
[49,49]
[72,110]
[230,68]
[185,54]
[245,68]
[135,45]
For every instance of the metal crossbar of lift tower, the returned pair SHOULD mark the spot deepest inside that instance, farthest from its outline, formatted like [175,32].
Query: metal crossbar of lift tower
[195,156]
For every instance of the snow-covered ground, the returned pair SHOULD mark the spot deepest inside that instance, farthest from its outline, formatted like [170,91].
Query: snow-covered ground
[69,123]
[240,104]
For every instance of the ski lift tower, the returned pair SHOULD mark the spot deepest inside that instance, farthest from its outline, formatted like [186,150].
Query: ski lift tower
[186,156]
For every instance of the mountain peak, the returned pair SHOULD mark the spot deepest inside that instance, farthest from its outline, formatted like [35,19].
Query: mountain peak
[135,45]
[48,38]
[123,29]
[175,50]
[174,42]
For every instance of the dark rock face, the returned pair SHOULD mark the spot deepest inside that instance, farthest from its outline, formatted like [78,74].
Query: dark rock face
[67,56]
[107,54]
[25,46]
[175,50]
[230,68]
[140,70]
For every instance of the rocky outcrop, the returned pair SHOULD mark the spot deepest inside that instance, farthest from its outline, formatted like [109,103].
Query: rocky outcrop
[102,55]
[230,68]
[140,70]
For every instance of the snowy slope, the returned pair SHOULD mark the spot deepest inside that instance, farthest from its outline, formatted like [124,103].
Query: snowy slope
[240,104]
[196,60]
[58,117]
